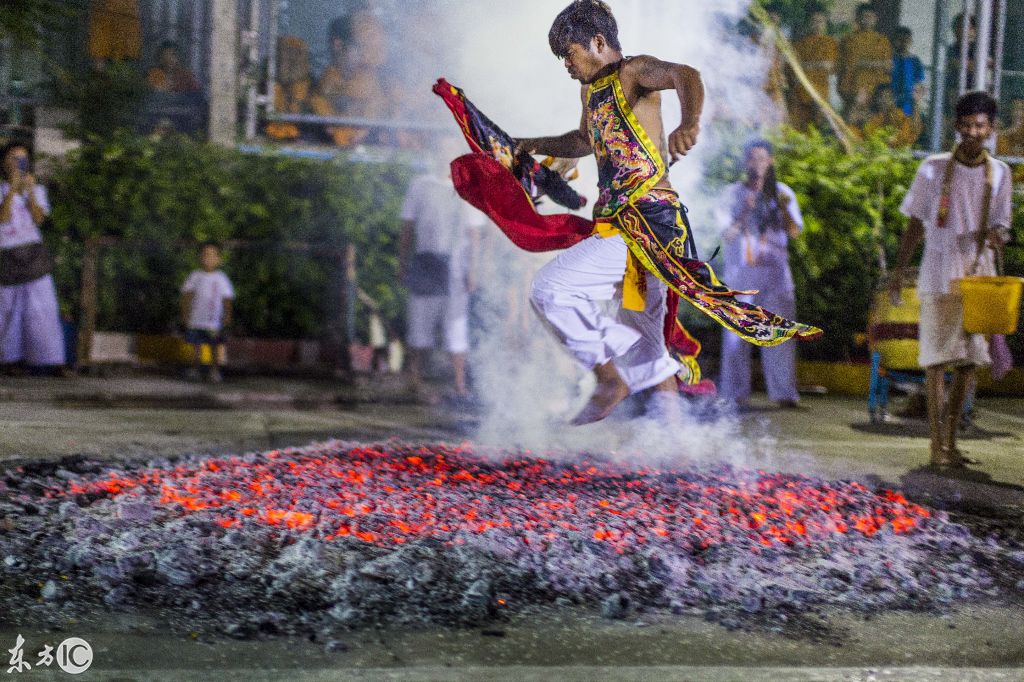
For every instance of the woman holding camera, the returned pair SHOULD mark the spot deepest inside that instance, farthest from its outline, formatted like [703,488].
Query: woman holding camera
[30,327]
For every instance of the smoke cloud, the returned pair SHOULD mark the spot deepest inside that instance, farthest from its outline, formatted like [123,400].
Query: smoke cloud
[498,52]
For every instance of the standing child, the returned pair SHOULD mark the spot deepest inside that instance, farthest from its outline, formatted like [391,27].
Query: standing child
[959,204]
[206,302]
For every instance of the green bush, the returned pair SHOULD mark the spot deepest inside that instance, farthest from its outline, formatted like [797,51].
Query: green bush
[852,221]
[162,197]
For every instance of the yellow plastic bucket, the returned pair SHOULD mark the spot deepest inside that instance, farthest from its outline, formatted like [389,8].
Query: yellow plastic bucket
[991,304]
[892,328]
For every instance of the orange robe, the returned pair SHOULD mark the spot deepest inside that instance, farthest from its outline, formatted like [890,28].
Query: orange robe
[904,129]
[115,29]
[179,80]
[817,55]
[1011,143]
[289,98]
[359,96]
[865,62]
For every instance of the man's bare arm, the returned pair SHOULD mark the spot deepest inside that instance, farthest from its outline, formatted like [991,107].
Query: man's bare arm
[572,145]
[908,246]
[645,74]
[405,247]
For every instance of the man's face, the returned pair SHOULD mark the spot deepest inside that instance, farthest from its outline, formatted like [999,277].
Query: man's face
[974,132]
[819,23]
[369,40]
[583,63]
[903,42]
[337,48]
[758,163]
[867,20]
[169,58]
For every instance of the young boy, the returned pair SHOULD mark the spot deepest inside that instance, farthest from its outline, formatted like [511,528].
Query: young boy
[206,299]
[960,204]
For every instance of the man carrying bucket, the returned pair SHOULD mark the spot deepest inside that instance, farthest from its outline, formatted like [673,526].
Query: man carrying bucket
[960,204]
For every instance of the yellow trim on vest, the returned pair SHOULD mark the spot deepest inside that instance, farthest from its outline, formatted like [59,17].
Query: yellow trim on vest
[638,130]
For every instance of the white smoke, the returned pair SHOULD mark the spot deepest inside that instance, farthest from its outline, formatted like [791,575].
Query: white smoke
[500,57]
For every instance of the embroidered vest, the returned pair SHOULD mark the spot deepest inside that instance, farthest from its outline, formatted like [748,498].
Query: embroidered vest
[628,162]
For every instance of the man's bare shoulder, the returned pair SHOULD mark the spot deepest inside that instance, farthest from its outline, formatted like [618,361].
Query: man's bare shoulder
[640,64]
[650,73]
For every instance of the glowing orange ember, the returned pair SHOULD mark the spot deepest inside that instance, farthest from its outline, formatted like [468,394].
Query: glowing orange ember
[390,495]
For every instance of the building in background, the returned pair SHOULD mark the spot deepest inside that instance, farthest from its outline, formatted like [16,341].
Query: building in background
[38,86]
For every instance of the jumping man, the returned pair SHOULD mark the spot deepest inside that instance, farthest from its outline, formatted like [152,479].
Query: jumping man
[641,236]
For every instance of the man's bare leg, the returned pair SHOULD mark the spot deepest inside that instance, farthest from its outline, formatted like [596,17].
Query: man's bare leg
[934,378]
[611,390]
[963,377]
[459,369]
[417,367]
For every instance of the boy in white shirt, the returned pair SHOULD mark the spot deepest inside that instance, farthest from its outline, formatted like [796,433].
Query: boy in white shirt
[960,204]
[206,302]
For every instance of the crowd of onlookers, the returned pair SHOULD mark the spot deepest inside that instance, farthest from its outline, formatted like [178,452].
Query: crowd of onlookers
[364,81]
[878,82]
[872,75]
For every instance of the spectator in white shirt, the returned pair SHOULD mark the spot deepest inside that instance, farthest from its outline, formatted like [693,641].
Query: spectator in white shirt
[437,252]
[960,204]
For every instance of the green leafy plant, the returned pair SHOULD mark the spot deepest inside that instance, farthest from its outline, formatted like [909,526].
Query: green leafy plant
[28,21]
[160,198]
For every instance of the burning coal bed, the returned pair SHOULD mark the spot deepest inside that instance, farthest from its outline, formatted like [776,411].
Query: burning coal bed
[339,535]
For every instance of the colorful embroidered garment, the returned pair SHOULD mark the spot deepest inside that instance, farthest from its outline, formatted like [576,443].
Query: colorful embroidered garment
[653,222]
[628,162]
[650,220]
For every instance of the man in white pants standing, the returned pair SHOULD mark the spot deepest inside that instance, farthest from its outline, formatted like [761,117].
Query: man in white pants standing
[437,251]
[960,204]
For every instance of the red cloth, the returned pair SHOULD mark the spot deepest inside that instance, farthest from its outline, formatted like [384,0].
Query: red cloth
[482,181]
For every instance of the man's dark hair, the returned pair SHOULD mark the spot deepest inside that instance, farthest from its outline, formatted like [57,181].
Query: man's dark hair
[579,23]
[977,102]
[770,190]
[902,32]
[340,27]
[168,45]
[866,7]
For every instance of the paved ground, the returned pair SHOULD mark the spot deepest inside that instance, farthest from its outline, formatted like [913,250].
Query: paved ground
[133,416]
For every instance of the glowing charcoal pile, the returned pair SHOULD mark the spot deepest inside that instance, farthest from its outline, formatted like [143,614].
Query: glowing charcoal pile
[348,535]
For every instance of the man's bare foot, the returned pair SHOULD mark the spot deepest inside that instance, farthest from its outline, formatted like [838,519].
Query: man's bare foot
[963,456]
[611,390]
[942,457]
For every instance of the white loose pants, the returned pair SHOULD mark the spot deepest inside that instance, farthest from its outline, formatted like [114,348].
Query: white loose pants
[570,294]
[778,362]
[30,328]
